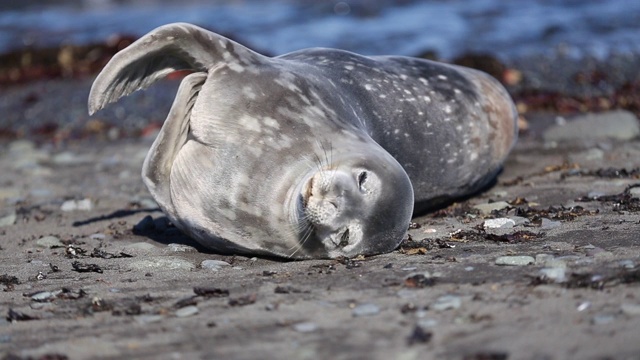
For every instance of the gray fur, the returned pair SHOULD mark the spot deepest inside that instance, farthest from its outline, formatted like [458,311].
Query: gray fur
[311,154]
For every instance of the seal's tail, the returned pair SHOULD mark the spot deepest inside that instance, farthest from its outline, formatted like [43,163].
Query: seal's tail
[171,47]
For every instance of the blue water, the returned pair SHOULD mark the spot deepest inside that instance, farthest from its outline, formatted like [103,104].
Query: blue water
[506,28]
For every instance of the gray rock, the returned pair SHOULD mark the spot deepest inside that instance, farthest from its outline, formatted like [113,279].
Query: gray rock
[49,242]
[8,217]
[549,224]
[621,125]
[98,236]
[305,327]
[77,205]
[214,265]
[164,263]
[181,248]
[69,158]
[635,192]
[630,309]
[187,311]
[515,260]
[627,264]
[148,319]
[499,223]
[486,209]
[519,220]
[140,247]
[556,274]
[447,302]
[365,310]
[603,319]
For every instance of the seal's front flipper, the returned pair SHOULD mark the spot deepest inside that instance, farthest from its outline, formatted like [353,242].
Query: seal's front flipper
[156,169]
[172,47]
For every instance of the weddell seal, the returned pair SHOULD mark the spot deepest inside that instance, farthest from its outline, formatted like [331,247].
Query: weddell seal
[318,153]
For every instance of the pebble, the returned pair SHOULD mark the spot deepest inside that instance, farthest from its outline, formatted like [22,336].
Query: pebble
[8,218]
[187,311]
[603,319]
[630,309]
[619,124]
[627,264]
[305,327]
[98,236]
[148,319]
[428,323]
[486,209]
[80,205]
[635,192]
[44,295]
[214,265]
[162,263]
[447,302]
[558,275]
[499,223]
[365,310]
[140,247]
[515,260]
[519,220]
[181,248]
[549,224]
[469,268]
[49,242]
[69,158]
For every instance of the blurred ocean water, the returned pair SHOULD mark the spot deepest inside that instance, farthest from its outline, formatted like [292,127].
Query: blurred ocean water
[508,29]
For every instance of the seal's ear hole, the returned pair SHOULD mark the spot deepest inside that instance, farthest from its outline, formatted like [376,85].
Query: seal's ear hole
[362,179]
[344,238]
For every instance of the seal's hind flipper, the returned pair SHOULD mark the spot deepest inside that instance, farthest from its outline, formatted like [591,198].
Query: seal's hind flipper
[156,169]
[178,46]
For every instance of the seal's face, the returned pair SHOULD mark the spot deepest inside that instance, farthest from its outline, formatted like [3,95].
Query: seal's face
[361,205]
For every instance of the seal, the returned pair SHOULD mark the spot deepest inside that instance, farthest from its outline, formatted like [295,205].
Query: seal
[319,153]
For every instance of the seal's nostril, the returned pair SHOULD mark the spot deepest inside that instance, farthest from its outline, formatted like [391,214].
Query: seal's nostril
[344,239]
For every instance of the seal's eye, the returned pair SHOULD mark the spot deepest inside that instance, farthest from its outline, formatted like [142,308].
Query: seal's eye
[344,239]
[362,179]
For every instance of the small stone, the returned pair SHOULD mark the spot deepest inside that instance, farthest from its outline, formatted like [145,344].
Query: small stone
[603,319]
[627,264]
[630,309]
[214,265]
[365,310]
[187,311]
[8,217]
[77,205]
[515,260]
[98,236]
[469,268]
[618,124]
[162,263]
[140,247]
[148,319]
[181,248]
[635,192]
[43,296]
[549,224]
[519,220]
[305,327]
[49,242]
[428,323]
[558,275]
[447,302]
[499,223]
[486,209]
[69,158]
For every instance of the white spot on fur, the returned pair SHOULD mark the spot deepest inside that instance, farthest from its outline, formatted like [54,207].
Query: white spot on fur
[249,123]
[442,77]
[271,122]
[368,87]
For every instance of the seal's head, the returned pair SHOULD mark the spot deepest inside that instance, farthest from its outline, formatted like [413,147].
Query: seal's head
[360,204]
